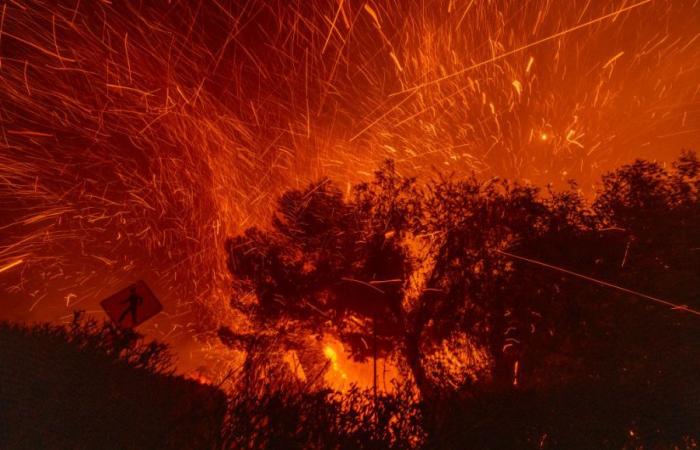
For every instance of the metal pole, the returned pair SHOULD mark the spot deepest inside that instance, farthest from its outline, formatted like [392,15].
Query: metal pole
[374,375]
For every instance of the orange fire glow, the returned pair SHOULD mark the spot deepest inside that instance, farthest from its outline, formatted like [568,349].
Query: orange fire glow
[344,371]
[136,137]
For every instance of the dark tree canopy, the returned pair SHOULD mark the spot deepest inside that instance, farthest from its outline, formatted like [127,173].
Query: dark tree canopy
[416,265]
[333,263]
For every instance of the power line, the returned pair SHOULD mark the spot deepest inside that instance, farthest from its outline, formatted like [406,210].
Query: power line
[661,301]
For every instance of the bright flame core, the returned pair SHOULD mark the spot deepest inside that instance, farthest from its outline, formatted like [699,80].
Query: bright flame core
[333,359]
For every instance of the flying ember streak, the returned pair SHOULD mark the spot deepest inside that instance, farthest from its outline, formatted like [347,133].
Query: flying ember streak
[135,137]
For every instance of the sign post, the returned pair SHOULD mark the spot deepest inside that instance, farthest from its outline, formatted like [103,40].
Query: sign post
[132,306]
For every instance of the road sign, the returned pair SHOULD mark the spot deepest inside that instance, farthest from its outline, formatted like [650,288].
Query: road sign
[132,306]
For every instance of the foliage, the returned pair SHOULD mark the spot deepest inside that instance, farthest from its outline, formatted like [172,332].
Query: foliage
[91,385]
[398,268]
[567,300]
[540,283]
[105,341]
[277,418]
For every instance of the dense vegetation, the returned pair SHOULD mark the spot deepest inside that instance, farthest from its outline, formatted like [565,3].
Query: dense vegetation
[89,385]
[520,318]
[562,309]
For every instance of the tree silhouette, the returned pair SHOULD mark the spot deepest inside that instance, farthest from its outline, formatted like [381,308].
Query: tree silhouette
[331,264]
[397,269]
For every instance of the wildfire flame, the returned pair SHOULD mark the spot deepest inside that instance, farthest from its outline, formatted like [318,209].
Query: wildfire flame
[136,137]
[333,359]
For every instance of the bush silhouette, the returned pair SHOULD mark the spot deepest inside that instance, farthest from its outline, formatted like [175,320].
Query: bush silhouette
[92,385]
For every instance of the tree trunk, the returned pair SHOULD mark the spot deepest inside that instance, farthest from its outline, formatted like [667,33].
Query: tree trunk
[502,372]
[413,358]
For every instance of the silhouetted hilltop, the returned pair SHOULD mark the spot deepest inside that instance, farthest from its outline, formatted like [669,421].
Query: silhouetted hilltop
[85,389]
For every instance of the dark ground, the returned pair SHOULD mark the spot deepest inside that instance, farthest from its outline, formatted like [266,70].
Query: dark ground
[54,395]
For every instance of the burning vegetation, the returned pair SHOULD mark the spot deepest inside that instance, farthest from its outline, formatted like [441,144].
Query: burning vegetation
[511,317]
[489,288]
[358,215]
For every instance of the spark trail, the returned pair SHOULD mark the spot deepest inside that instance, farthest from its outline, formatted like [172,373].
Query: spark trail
[675,306]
